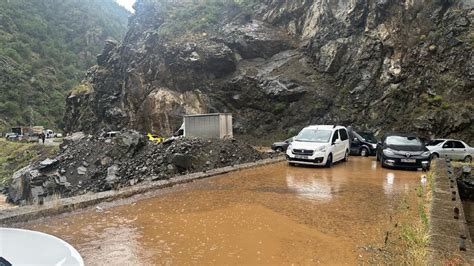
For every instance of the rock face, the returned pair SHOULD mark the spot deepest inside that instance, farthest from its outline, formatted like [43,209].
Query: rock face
[280,65]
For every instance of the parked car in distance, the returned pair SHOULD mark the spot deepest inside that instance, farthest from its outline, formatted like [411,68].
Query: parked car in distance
[403,151]
[111,134]
[282,146]
[11,136]
[319,145]
[450,148]
[363,143]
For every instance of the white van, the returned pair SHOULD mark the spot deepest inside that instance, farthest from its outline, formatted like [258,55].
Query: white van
[319,145]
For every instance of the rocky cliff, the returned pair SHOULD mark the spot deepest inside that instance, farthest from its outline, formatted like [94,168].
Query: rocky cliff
[279,65]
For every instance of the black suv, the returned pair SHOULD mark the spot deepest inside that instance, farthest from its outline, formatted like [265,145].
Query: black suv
[404,151]
[363,143]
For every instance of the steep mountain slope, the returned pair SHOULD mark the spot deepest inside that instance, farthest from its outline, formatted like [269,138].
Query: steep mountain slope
[46,46]
[279,65]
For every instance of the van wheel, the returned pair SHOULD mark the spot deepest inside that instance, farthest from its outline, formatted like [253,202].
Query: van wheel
[364,152]
[329,161]
[468,159]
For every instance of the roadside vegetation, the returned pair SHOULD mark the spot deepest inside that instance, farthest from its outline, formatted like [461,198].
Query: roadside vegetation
[200,16]
[415,231]
[16,155]
[45,49]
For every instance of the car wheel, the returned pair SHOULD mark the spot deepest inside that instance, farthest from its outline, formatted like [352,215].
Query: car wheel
[346,157]
[382,160]
[434,156]
[364,152]
[279,149]
[329,161]
[291,164]
[468,159]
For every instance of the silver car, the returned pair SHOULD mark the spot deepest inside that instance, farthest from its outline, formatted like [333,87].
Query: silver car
[450,148]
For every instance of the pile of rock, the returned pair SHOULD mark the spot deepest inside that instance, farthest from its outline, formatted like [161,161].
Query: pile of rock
[92,164]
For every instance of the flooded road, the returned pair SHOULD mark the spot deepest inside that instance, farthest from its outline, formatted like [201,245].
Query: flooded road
[274,214]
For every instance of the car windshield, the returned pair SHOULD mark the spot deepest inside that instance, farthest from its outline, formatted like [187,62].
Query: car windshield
[368,137]
[434,142]
[314,135]
[403,141]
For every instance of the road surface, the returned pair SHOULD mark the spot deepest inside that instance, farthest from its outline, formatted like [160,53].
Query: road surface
[274,214]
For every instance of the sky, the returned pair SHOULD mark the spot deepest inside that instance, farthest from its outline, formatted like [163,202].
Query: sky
[126,3]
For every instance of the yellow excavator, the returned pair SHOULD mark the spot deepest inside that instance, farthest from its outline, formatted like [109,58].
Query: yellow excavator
[155,138]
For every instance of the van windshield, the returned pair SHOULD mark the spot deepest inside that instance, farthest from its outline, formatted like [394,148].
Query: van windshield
[314,135]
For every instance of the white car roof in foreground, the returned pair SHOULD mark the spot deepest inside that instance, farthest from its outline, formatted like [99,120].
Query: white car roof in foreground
[43,249]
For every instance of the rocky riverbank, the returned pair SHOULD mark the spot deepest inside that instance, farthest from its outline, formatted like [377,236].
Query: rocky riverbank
[87,163]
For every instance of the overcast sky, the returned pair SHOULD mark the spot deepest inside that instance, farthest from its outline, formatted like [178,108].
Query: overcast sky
[127,4]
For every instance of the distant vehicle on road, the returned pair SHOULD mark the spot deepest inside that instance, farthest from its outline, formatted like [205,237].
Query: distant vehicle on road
[450,148]
[363,143]
[282,146]
[58,135]
[25,247]
[11,136]
[403,151]
[49,133]
[319,145]
[111,134]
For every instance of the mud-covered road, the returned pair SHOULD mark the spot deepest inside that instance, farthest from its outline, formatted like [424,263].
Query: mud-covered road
[269,215]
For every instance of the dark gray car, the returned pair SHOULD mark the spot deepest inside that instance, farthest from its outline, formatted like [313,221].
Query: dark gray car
[282,146]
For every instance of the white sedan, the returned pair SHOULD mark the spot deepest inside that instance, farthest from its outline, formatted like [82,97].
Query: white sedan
[451,148]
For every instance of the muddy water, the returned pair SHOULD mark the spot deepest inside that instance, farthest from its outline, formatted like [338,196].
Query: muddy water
[269,215]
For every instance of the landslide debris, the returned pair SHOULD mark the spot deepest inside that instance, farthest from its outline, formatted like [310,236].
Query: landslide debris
[92,164]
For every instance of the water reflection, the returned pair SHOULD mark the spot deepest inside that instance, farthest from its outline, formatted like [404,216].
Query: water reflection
[318,187]
[115,244]
[388,184]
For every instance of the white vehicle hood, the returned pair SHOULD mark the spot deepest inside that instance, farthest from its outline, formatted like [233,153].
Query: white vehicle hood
[300,145]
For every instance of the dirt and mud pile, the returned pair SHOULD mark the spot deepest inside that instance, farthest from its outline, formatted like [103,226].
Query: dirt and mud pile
[93,164]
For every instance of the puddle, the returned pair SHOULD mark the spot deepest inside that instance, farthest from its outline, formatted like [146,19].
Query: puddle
[274,214]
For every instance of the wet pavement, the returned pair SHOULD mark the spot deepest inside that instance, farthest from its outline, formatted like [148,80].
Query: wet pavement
[274,214]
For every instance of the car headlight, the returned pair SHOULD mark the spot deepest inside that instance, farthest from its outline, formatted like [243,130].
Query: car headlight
[374,146]
[321,149]
[426,154]
[388,152]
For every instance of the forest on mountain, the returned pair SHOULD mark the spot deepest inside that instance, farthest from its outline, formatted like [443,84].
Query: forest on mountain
[46,47]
